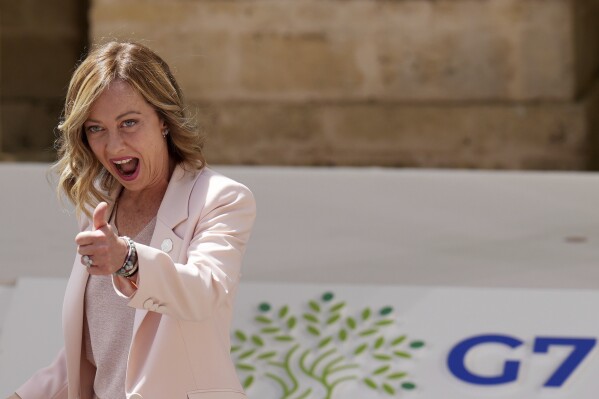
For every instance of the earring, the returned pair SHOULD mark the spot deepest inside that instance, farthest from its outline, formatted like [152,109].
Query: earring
[165,132]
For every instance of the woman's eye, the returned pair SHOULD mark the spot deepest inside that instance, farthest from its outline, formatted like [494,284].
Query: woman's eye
[129,123]
[93,129]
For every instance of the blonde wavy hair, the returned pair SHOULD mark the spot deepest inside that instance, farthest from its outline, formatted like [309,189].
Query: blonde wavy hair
[81,177]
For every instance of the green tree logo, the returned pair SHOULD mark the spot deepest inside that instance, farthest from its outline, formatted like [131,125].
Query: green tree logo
[311,354]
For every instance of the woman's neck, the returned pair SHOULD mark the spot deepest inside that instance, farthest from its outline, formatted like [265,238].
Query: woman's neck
[142,201]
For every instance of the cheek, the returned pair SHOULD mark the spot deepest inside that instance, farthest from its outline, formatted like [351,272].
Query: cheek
[156,152]
[96,149]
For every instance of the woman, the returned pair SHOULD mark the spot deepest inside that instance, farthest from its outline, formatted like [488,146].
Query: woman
[147,316]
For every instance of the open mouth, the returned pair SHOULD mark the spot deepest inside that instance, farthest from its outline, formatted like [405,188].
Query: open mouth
[127,168]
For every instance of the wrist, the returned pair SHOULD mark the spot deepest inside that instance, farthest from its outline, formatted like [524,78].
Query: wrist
[130,264]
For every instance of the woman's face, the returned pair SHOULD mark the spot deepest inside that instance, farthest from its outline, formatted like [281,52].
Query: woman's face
[126,135]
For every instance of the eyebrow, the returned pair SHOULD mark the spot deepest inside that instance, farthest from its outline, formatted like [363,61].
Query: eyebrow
[118,117]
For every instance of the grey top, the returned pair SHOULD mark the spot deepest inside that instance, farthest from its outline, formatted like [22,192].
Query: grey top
[108,327]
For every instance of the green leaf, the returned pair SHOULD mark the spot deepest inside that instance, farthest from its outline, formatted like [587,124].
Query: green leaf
[241,336]
[284,338]
[333,318]
[351,323]
[381,370]
[337,307]
[385,322]
[313,330]
[381,356]
[360,349]
[248,381]
[311,318]
[267,355]
[291,322]
[283,312]
[342,335]
[416,344]
[246,367]
[389,389]
[327,296]
[263,320]
[366,314]
[398,340]
[235,348]
[379,342]
[370,383]
[324,342]
[408,385]
[270,330]
[365,333]
[257,340]
[247,354]
[314,306]
[386,310]
[264,307]
[396,376]
[402,354]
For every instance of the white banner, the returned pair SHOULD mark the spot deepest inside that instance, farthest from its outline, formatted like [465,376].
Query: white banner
[296,341]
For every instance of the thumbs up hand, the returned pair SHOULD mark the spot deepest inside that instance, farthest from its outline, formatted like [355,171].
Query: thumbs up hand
[106,250]
[100,215]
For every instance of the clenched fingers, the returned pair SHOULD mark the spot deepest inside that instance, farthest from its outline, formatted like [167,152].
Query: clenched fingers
[91,238]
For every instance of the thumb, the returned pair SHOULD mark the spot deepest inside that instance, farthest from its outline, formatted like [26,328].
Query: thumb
[100,215]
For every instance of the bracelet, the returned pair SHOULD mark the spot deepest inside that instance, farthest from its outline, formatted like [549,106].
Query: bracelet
[130,266]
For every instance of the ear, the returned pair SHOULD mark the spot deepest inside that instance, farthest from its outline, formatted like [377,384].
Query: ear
[162,123]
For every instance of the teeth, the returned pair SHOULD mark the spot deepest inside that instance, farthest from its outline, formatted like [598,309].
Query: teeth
[123,161]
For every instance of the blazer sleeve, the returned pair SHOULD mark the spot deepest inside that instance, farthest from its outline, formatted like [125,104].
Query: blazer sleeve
[192,291]
[49,382]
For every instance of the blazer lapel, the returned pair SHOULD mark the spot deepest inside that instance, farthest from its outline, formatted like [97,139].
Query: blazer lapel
[173,210]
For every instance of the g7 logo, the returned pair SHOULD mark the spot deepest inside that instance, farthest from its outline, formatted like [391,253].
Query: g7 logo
[456,359]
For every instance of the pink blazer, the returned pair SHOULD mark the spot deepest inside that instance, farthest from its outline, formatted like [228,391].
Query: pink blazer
[188,278]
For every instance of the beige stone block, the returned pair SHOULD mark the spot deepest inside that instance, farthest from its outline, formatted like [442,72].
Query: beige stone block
[40,43]
[586,39]
[221,50]
[592,111]
[263,133]
[37,66]
[414,50]
[28,126]
[56,17]
[496,136]
[469,49]
[548,136]
[203,66]
[298,64]
[201,59]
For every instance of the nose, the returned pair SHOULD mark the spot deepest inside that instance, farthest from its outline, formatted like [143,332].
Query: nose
[115,143]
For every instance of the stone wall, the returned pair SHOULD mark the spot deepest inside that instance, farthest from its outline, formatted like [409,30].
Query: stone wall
[448,83]
[40,42]
[434,83]
[414,50]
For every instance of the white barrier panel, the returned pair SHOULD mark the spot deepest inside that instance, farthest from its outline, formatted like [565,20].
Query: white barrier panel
[5,296]
[341,341]
[31,330]
[369,342]
[364,225]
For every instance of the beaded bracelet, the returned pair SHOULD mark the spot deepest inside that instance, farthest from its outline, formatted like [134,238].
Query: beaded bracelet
[130,265]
